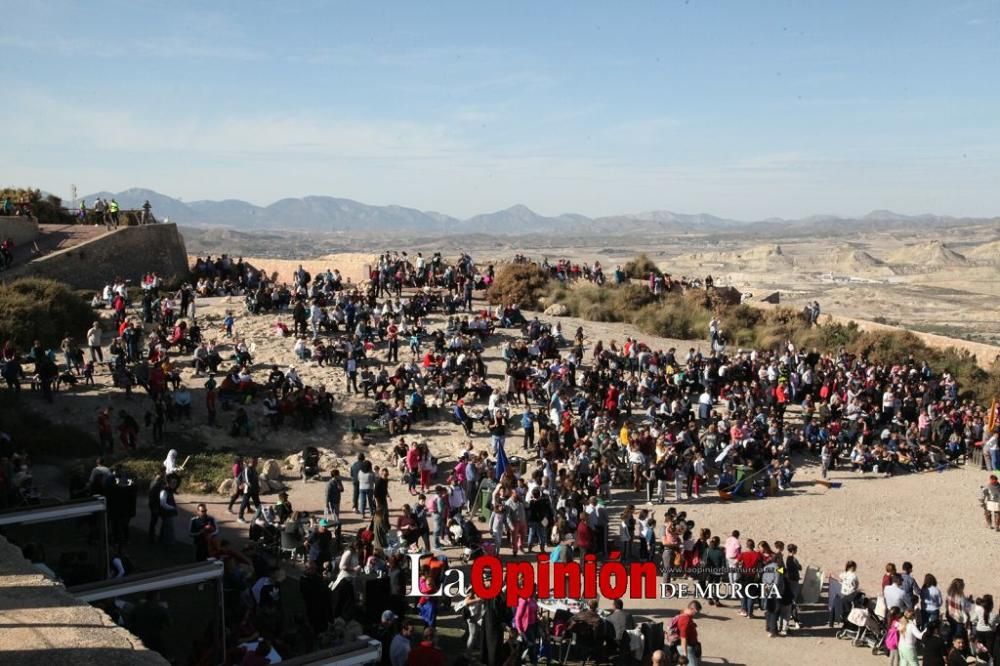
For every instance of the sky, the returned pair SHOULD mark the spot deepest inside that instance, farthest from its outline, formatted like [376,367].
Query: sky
[743,109]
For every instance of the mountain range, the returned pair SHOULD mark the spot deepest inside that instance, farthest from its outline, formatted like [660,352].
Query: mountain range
[332,214]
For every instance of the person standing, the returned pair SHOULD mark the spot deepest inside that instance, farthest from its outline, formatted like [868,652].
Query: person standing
[113,209]
[153,501]
[399,649]
[365,484]
[202,529]
[168,509]
[687,633]
[356,468]
[498,523]
[105,437]
[517,522]
[380,491]
[425,654]
[991,502]
[94,335]
[351,369]
[334,490]
[237,482]
[526,624]
[251,490]
[793,578]
[528,419]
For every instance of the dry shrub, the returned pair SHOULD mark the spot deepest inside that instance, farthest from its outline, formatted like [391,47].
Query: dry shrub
[640,267]
[887,346]
[631,297]
[673,318]
[518,284]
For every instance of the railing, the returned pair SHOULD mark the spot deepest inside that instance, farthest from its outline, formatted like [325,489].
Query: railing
[127,217]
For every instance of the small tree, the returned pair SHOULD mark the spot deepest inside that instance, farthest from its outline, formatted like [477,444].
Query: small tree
[518,284]
[640,267]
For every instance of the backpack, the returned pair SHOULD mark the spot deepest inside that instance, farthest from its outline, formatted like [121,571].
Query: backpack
[673,637]
[892,637]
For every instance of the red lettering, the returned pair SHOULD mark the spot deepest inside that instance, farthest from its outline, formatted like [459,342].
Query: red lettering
[614,590]
[638,575]
[482,588]
[520,581]
[590,576]
[564,573]
[543,576]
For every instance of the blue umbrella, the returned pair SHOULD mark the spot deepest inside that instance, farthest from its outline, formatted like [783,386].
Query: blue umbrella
[502,462]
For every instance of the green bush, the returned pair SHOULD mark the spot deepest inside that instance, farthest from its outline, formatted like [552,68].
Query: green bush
[518,284]
[39,309]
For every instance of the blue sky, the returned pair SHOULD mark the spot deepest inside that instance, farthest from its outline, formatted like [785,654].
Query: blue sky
[746,109]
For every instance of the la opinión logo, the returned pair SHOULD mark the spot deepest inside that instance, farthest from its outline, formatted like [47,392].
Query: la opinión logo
[490,577]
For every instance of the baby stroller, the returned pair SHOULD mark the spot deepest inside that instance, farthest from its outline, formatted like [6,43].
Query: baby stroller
[466,534]
[309,459]
[863,627]
[264,531]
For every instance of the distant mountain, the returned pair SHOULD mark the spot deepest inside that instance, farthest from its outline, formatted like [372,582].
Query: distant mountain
[520,219]
[332,214]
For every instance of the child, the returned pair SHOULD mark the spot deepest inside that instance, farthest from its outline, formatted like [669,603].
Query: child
[642,524]
[649,536]
[88,373]
[210,401]
[228,323]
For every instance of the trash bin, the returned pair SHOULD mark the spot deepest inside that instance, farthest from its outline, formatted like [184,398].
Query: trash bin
[484,500]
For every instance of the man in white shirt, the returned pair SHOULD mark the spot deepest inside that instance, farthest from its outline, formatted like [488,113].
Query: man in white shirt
[894,595]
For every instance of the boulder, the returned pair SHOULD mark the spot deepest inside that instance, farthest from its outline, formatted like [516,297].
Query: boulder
[292,465]
[557,310]
[271,469]
[274,485]
[226,487]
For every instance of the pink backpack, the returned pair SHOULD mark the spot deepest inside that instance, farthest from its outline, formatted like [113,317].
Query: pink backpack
[892,638]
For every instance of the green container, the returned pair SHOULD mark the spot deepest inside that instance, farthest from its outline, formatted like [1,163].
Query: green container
[484,502]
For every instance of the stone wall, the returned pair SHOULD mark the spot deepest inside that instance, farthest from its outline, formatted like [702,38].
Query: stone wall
[45,624]
[128,252]
[21,230]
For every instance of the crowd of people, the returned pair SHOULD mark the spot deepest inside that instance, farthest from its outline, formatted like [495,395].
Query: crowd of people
[601,418]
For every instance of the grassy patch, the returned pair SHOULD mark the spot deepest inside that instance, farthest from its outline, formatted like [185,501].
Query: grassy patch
[39,309]
[203,472]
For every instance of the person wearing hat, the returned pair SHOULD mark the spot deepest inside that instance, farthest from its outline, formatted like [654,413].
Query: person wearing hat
[319,543]
[385,633]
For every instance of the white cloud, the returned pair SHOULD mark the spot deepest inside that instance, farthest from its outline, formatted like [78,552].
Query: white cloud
[437,166]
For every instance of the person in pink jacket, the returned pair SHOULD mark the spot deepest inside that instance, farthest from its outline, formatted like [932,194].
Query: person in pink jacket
[526,624]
